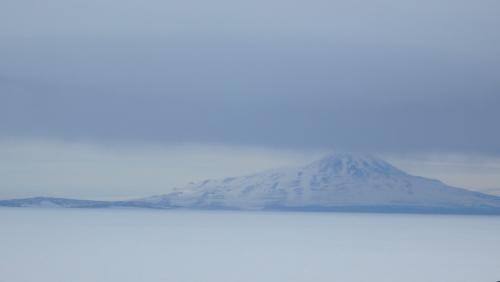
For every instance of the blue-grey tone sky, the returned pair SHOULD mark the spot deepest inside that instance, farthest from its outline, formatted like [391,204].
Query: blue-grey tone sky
[390,77]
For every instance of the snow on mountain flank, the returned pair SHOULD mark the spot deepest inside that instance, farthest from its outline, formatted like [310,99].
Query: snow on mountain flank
[338,182]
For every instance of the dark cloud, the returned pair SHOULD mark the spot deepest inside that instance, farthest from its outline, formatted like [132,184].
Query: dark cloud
[389,76]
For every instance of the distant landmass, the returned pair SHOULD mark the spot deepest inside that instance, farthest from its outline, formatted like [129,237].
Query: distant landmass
[338,182]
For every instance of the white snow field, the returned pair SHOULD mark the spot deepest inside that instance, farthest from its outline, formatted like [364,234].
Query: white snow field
[97,245]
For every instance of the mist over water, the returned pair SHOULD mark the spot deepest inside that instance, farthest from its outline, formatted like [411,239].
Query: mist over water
[147,245]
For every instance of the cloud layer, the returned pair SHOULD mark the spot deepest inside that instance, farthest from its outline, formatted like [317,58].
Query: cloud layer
[120,89]
[384,76]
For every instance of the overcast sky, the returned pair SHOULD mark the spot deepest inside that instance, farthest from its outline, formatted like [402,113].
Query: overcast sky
[277,82]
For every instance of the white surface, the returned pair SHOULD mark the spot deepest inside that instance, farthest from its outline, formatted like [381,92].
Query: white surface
[104,245]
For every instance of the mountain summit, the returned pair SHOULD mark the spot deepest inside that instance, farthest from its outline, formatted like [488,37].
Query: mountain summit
[338,182]
[354,165]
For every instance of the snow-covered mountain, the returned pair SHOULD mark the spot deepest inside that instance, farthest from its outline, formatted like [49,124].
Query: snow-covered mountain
[339,182]
[336,182]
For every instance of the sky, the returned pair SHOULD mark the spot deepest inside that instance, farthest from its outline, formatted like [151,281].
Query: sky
[113,99]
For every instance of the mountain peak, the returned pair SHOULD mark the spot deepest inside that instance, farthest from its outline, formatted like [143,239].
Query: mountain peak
[346,156]
[355,164]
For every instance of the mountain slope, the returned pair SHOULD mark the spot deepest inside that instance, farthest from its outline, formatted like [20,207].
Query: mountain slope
[336,182]
[339,182]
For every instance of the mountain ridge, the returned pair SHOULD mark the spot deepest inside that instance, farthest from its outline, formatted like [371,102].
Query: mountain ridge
[337,182]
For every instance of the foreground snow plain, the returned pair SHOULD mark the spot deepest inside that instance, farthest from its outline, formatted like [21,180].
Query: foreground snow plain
[42,245]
